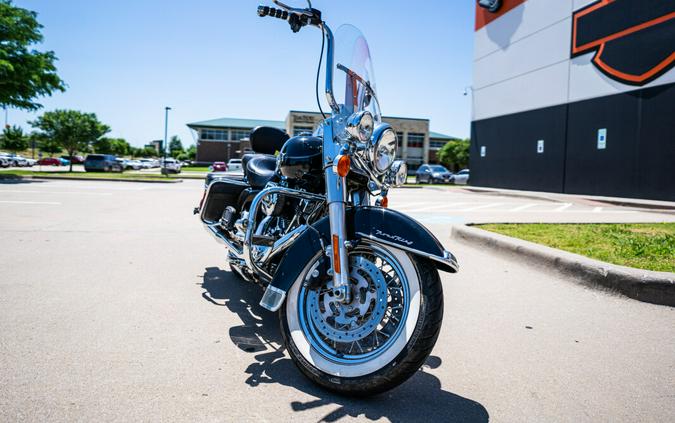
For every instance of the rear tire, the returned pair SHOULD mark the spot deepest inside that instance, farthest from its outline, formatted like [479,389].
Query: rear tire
[388,369]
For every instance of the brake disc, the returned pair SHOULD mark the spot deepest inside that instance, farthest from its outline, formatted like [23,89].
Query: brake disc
[341,322]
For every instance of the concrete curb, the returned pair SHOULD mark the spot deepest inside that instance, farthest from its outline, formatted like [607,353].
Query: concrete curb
[642,285]
[161,181]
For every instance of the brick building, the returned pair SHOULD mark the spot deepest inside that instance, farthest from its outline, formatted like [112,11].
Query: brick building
[226,138]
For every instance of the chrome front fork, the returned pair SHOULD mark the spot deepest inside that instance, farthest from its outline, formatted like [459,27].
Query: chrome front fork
[336,198]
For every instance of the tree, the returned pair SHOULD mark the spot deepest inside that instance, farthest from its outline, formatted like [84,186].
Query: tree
[192,152]
[120,147]
[13,139]
[102,145]
[175,146]
[71,129]
[455,154]
[25,73]
[45,145]
[149,152]
[135,151]
[116,146]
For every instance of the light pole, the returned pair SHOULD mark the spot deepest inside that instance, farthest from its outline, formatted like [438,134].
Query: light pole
[166,133]
[6,120]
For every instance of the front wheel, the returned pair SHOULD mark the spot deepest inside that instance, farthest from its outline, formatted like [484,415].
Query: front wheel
[378,340]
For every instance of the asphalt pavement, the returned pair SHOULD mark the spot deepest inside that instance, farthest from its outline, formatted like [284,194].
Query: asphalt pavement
[115,305]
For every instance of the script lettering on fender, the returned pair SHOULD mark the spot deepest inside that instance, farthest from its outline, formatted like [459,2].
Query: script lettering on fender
[393,237]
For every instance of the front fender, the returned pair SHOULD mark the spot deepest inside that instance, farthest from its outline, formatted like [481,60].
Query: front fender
[370,224]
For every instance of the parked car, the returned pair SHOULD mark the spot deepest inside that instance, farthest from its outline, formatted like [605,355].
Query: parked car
[171,165]
[74,159]
[234,165]
[64,162]
[461,177]
[4,162]
[31,162]
[123,162]
[102,163]
[433,174]
[49,161]
[218,167]
[134,164]
[15,160]
[146,163]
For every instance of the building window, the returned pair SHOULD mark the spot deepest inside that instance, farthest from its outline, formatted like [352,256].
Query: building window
[399,136]
[437,144]
[415,140]
[297,130]
[214,135]
[240,134]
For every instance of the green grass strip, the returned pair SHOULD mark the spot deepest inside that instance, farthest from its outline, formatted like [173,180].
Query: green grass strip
[649,246]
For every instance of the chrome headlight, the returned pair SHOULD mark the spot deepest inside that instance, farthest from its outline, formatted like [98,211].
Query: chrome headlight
[360,125]
[398,174]
[383,148]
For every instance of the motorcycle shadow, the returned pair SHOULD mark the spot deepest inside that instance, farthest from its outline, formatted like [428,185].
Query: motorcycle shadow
[420,398]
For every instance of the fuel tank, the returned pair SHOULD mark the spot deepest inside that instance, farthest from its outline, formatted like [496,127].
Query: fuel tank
[300,161]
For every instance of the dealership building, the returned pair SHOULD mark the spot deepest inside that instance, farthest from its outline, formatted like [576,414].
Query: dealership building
[226,138]
[575,96]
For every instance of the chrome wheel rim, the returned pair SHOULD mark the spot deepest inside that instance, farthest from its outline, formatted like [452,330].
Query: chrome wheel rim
[368,326]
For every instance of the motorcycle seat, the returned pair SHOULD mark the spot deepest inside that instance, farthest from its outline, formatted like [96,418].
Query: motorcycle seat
[260,169]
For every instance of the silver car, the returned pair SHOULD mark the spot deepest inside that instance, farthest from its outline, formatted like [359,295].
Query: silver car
[461,177]
[234,165]
[15,160]
[171,165]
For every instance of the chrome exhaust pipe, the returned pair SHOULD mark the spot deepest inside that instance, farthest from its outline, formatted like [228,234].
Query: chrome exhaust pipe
[214,230]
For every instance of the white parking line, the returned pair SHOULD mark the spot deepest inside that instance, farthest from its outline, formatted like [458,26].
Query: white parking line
[597,210]
[30,202]
[438,206]
[413,205]
[484,206]
[523,207]
[564,207]
[16,191]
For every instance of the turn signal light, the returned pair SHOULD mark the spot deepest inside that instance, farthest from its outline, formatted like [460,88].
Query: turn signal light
[384,202]
[343,165]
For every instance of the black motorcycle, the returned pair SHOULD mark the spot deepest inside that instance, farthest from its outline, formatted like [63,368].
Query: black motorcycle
[355,283]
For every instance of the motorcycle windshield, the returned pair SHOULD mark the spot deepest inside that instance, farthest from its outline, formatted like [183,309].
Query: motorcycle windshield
[354,79]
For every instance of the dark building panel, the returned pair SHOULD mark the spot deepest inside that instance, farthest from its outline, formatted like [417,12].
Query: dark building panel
[638,159]
[611,171]
[656,152]
[511,156]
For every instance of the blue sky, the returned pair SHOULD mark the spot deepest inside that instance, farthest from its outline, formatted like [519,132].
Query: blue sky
[125,60]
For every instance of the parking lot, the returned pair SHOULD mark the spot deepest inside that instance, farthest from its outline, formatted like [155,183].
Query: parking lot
[115,305]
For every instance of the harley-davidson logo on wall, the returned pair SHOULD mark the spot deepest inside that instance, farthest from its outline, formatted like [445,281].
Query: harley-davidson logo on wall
[633,40]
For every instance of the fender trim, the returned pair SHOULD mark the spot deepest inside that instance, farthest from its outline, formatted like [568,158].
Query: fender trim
[369,224]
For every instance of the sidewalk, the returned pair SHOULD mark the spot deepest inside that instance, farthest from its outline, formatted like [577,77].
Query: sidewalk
[562,198]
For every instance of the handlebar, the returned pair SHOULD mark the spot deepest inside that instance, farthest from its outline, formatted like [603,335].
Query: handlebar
[272,12]
[297,18]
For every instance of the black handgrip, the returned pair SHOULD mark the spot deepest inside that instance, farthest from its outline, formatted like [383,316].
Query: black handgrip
[272,12]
